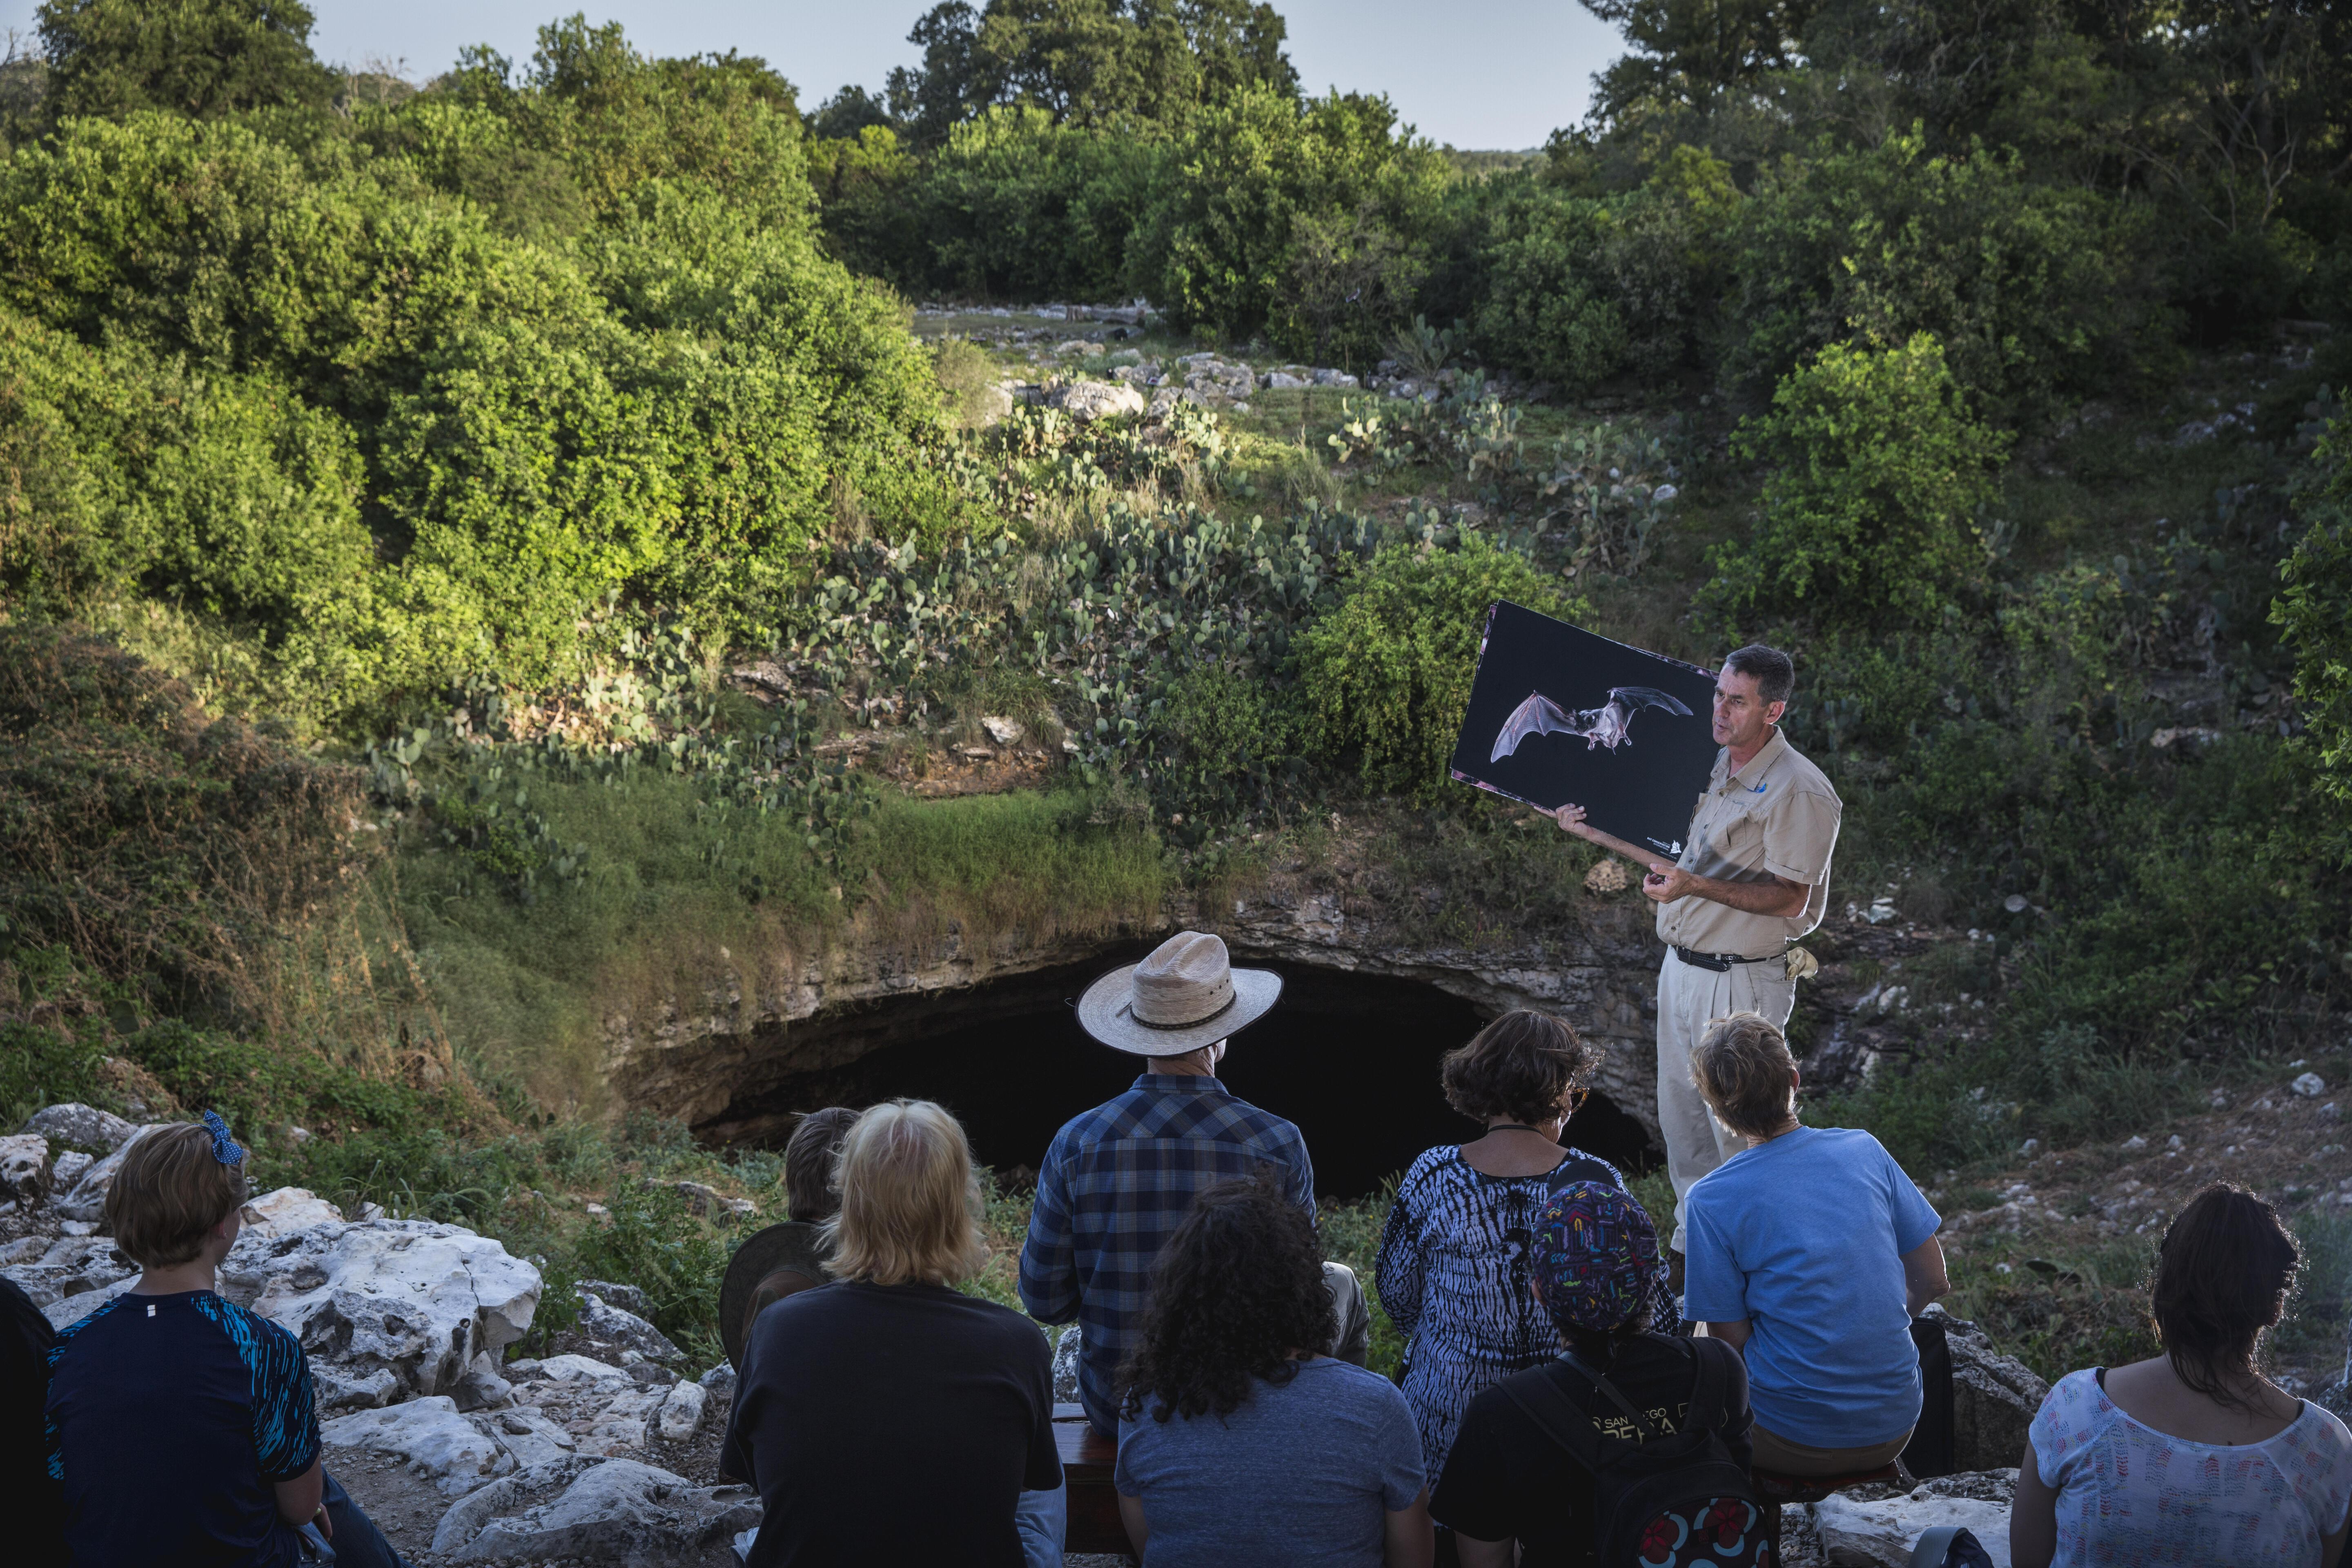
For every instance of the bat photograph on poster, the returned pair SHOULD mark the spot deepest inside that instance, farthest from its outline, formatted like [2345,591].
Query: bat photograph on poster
[1558,714]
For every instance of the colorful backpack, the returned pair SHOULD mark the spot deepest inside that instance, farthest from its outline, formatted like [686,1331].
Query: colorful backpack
[1668,1500]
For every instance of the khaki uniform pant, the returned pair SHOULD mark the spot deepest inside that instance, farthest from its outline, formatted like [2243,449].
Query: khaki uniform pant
[1689,998]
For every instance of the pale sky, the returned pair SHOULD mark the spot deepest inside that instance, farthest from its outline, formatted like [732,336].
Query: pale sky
[1475,73]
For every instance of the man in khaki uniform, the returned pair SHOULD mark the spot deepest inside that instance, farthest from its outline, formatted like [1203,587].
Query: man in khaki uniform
[1754,878]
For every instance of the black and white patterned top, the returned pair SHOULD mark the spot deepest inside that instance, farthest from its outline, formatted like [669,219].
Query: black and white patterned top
[1453,1275]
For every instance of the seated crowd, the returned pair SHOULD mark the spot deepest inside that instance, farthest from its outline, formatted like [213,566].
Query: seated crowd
[1556,1405]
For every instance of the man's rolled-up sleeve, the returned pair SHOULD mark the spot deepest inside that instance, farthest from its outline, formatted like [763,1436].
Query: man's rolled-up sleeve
[1800,835]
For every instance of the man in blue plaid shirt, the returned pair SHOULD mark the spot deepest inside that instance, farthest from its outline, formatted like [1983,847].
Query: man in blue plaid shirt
[1117,1179]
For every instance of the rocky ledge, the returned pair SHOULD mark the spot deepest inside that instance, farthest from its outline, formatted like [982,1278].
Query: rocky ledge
[405,1324]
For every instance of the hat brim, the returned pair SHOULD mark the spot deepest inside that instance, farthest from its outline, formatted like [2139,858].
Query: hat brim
[784,1246]
[1103,1012]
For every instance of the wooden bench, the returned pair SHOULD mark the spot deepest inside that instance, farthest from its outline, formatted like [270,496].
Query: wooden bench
[1088,1457]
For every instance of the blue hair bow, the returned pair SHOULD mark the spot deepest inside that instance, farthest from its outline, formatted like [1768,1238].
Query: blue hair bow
[224,1148]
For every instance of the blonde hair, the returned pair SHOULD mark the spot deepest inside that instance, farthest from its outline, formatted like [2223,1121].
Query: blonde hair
[1743,1065]
[909,1199]
[169,1194]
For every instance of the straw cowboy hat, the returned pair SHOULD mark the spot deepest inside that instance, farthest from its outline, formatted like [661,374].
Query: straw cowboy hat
[1185,995]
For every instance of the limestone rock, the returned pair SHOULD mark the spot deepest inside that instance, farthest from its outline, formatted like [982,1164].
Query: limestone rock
[68,1168]
[338,1388]
[289,1209]
[529,1437]
[572,1368]
[482,1388]
[618,1511]
[620,1426]
[1994,1398]
[680,1413]
[414,1297]
[607,1325]
[24,1169]
[628,1297]
[1086,400]
[1857,1534]
[1066,1367]
[82,1125]
[71,1275]
[719,1379]
[1283,381]
[700,1198]
[70,1310]
[430,1437]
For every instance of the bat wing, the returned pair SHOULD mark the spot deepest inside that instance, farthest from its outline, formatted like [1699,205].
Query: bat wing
[1634,698]
[1538,715]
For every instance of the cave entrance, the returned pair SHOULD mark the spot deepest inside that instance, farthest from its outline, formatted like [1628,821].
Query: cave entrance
[1353,1060]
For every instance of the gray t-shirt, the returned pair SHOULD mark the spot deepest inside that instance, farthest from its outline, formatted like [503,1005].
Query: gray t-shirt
[1304,1474]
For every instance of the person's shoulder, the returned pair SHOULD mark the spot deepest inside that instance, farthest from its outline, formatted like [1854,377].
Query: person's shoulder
[259,1340]
[1433,1166]
[1798,774]
[1090,1123]
[2075,1400]
[1344,1380]
[2318,1429]
[85,1329]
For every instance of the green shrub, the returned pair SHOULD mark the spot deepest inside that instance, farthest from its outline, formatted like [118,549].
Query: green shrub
[114,57]
[1577,288]
[2314,610]
[1548,311]
[1269,214]
[1878,471]
[1015,206]
[2036,292]
[1386,675]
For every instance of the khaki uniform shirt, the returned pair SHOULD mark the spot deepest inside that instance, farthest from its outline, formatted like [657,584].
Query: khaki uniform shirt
[1778,816]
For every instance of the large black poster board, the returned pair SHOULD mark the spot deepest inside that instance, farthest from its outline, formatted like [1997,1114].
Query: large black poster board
[1558,714]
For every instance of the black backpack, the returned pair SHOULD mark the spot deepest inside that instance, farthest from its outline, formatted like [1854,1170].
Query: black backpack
[1671,1499]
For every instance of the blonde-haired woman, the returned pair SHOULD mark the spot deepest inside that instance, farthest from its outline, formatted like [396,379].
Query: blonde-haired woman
[888,1375]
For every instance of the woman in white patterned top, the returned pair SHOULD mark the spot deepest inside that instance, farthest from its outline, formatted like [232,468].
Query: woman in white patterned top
[2193,1456]
[1452,1270]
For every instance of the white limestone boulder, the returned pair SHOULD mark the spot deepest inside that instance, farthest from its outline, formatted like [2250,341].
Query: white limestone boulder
[83,1126]
[1994,1398]
[417,1299]
[430,1437]
[529,1437]
[286,1210]
[1882,1534]
[24,1168]
[680,1412]
[1087,401]
[609,1327]
[618,1511]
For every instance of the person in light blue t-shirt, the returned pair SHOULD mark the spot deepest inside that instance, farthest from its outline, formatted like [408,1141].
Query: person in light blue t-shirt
[1812,1252]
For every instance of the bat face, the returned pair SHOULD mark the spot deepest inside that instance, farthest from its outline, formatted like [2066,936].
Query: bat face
[1610,725]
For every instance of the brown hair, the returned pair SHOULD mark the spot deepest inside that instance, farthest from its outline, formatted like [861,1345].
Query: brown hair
[1742,1065]
[909,1199]
[1522,1065]
[809,1158]
[2223,1277]
[169,1193]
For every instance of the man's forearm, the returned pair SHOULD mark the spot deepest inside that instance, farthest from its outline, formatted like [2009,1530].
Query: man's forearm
[1776,897]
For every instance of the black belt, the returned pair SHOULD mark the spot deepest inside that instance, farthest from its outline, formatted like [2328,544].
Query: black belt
[1720,963]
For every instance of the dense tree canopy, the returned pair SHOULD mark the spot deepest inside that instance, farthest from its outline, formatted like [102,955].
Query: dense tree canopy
[201,57]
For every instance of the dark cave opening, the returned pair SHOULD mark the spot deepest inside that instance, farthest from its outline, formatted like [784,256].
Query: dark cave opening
[1353,1060]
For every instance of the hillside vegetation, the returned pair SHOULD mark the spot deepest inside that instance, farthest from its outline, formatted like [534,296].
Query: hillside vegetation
[395,477]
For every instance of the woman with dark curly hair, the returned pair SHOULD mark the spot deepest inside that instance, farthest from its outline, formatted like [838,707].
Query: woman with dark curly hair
[1453,1269]
[1237,1443]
